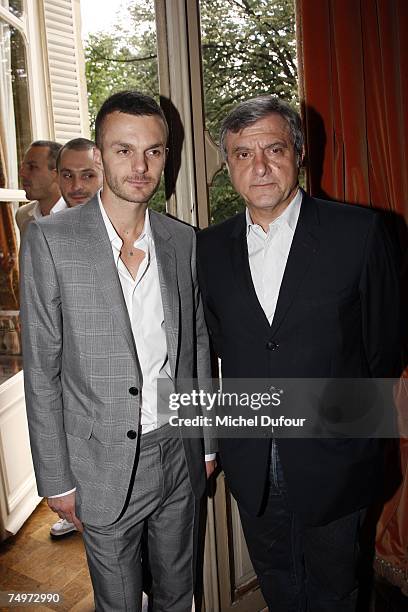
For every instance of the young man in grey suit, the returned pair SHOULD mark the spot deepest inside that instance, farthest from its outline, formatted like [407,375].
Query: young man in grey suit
[110,305]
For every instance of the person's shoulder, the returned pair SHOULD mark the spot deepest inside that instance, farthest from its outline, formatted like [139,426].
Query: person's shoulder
[61,217]
[62,224]
[23,210]
[345,210]
[343,218]
[172,224]
[28,206]
[223,229]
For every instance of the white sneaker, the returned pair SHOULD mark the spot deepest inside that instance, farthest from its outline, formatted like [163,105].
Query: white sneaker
[61,528]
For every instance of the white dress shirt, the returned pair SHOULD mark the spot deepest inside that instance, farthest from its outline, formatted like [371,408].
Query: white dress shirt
[145,308]
[59,205]
[268,253]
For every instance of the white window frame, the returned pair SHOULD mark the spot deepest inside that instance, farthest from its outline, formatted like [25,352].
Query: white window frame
[32,29]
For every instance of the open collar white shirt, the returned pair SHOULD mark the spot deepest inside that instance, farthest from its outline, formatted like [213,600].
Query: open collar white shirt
[268,254]
[145,308]
[58,206]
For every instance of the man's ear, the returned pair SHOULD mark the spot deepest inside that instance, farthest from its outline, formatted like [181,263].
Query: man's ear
[56,176]
[97,157]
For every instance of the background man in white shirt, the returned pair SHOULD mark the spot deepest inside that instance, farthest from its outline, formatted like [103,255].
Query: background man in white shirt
[39,179]
[79,175]
[110,304]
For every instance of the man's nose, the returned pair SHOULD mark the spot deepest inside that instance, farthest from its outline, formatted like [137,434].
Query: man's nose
[76,183]
[260,164]
[139,163]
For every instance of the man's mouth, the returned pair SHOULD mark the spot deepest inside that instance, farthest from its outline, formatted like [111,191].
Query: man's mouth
[137,181]
[78,196]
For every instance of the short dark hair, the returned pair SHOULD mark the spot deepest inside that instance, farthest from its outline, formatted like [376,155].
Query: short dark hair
[53,150]
[131,102]
[76,144]
[252,110]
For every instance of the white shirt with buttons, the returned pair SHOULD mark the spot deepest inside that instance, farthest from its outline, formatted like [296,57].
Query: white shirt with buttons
[268,254]
[145,308]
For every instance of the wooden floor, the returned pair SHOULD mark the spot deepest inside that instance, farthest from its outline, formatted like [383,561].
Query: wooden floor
[33,562]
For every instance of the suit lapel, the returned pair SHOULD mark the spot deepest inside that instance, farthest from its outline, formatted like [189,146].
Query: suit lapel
[242,273]
[305,245]
[167,268]
[95,238]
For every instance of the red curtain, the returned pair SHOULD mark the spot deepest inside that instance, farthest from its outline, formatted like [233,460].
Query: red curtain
[353,70]
[353,67]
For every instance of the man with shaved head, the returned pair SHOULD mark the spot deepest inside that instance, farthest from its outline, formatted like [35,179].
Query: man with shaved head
[80,177]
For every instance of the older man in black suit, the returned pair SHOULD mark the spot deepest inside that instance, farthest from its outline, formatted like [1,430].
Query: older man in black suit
[302,288]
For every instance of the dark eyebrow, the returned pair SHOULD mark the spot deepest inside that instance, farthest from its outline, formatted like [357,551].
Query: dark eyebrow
[239,148]
[282,143]
[80,170]
[129,146]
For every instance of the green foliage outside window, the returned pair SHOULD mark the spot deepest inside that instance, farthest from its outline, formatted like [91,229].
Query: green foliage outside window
[248,49]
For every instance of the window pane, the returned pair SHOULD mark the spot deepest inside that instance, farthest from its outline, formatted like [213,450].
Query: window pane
[14,6]
[15,126]
[9,366]
[15,136]
[125,58]
[248,49]
[10,344]
[11,360]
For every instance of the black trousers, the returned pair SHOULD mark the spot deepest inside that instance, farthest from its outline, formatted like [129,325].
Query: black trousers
[302,569]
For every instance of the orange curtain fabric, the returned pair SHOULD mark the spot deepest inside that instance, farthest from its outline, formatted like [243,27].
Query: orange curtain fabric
[353,71]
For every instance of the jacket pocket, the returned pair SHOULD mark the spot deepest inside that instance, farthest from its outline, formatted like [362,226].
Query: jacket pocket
[77,425]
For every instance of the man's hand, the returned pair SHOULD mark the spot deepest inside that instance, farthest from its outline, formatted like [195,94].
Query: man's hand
[65,508]
[210,467]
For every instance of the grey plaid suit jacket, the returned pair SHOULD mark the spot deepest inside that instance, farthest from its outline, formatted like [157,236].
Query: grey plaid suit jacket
[80,359]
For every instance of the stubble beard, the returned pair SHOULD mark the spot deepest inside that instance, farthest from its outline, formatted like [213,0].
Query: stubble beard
[118,188]
[71,203]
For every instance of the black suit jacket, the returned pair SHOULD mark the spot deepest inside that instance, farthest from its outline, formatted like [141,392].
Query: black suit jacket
[337,316]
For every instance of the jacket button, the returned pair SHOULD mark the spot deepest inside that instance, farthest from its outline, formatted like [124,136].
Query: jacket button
[272,346]
[134,391]
[131,434]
